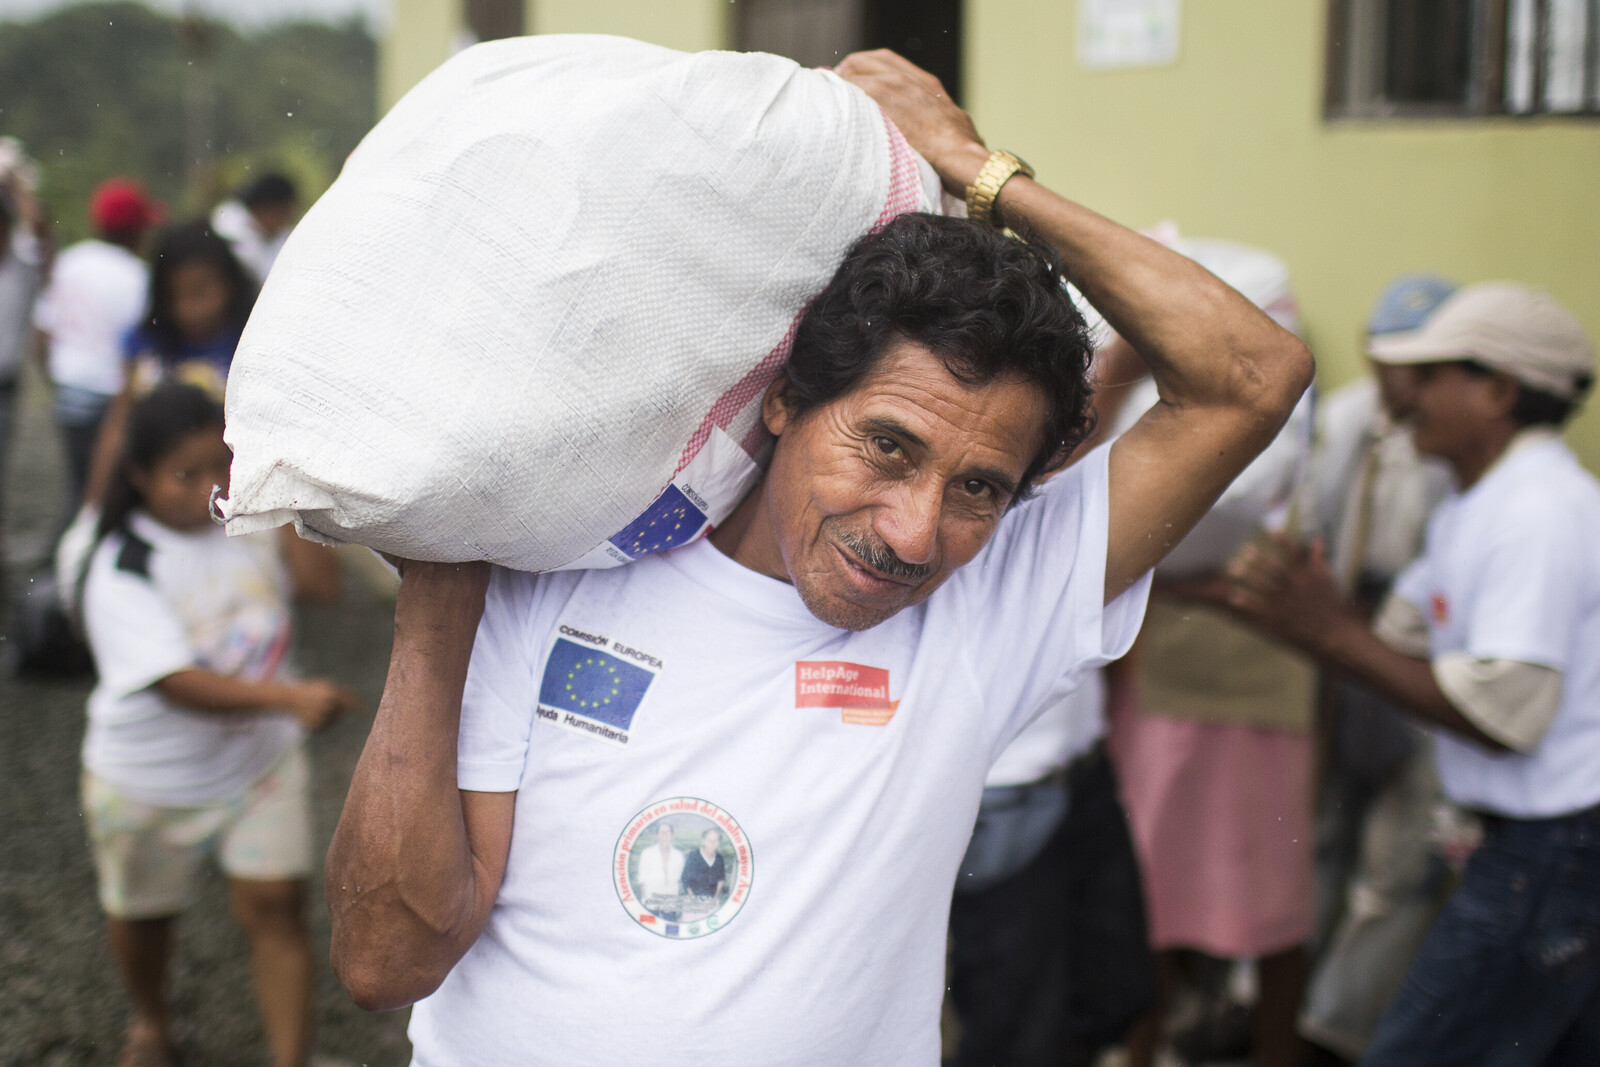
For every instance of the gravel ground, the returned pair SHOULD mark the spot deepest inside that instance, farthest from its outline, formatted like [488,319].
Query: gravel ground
[60,1002]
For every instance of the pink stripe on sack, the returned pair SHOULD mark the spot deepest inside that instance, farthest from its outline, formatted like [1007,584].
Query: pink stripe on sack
[905,185]
[905,179]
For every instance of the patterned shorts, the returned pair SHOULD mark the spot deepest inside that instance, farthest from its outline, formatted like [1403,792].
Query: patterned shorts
[148,856]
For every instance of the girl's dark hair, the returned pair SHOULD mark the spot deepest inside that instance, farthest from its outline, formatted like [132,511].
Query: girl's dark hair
[989,305]
[189,242]
[156,424]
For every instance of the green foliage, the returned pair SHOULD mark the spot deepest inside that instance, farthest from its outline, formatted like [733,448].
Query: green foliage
[191,109]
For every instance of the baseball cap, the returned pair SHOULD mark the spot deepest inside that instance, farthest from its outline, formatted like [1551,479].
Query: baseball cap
[1407,302]
[1508,327]
[120,205]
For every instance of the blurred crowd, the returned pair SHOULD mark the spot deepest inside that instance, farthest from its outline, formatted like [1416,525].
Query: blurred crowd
[1224,847]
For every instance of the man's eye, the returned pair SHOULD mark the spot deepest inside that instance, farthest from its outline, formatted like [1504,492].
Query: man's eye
[976,487]
[886,445]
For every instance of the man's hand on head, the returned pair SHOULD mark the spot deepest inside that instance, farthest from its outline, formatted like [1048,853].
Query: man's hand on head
[917,103]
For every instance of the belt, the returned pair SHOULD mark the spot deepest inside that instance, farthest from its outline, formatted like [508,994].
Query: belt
[1090,759]
[1492,819]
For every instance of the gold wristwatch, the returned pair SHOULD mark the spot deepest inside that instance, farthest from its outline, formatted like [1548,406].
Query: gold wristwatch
[997,170]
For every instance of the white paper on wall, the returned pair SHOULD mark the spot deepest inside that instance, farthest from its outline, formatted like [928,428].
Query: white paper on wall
[1127,33]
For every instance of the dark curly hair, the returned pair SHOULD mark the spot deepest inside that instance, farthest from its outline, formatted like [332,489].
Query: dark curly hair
[989,305]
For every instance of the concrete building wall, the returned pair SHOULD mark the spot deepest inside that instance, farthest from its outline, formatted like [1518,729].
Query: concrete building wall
[1229,142]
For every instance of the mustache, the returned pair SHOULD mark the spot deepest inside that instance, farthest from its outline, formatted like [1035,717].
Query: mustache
[881,558]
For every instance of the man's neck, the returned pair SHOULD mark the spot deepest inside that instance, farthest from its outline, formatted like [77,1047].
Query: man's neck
[747,537]
[1476,461]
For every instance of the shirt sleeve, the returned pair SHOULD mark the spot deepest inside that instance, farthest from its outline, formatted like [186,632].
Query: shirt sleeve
[136,636]
[1035,597]
[1511,701]
[497,702]
[1402,626]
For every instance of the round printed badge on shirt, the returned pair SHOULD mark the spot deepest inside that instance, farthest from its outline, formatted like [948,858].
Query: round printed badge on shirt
[683,868]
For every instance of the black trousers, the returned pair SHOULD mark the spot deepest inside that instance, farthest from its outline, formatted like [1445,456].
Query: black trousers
[1054,965]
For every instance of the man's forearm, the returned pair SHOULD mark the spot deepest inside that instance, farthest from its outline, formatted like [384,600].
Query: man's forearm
[1352,648]
[402,885]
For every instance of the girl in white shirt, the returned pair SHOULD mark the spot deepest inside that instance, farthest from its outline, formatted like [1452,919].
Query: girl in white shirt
[194,743]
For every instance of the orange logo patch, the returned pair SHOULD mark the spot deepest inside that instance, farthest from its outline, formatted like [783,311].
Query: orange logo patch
[1441,610]
[860,693]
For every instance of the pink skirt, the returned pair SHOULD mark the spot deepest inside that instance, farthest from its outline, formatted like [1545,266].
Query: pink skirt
[1221,819]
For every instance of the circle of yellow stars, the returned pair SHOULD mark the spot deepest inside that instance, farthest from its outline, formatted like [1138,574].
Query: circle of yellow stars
[678,515]
[602,699]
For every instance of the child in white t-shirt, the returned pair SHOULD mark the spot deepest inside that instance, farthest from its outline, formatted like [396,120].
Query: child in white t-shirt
[194,743]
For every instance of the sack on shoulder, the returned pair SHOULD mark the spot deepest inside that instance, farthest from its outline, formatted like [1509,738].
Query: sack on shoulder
[533,319]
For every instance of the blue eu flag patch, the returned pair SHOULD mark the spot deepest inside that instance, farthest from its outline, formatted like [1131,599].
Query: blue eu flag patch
[669,522]
[593,683]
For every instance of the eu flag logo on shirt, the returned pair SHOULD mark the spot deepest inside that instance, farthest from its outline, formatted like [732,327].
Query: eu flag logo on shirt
[669,522]
[593,683]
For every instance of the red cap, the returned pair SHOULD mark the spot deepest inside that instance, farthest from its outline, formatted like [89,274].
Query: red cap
[121,206]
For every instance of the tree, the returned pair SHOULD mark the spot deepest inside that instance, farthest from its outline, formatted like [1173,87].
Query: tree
[108,88]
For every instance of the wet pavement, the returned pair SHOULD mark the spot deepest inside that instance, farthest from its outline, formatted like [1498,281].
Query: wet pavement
[60,1001]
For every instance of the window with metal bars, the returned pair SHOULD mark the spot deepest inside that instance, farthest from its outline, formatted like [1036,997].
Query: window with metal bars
[1443,58]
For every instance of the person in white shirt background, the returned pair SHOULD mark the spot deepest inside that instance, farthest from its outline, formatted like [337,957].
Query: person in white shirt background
[257,221]
[197,724]
[95,296]
[24,257]
[1050,961]
[1380,870]
[1492,637]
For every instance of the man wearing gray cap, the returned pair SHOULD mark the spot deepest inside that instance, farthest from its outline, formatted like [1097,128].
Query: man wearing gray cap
[1493,638]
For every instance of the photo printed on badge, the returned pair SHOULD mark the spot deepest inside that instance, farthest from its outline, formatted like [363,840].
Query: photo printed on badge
[683,868]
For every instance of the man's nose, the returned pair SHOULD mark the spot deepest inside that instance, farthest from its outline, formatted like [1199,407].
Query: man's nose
[909,526]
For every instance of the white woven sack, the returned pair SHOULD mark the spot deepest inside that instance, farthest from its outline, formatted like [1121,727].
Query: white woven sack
[532,320]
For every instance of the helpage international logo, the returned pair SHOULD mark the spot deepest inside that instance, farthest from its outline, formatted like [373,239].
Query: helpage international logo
[683,868]
[860,693]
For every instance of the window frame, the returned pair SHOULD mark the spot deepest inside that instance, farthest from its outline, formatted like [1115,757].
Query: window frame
[1354,57]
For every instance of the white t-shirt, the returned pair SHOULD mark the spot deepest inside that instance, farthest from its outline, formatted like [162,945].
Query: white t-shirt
[1402,488]
[163,601]
[1511,571]
[842,770]
[97,293]
[233,222]
[1065,730]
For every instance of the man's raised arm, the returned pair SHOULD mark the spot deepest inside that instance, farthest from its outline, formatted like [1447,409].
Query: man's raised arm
[416,863]
[1228,375]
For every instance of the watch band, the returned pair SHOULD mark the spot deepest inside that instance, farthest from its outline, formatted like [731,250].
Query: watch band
[997,170]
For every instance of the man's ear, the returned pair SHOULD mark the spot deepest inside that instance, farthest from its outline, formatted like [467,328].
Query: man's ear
[777,409]
[1504,393]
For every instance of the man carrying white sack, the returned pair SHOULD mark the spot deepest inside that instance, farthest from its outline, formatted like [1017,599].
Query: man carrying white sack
[823,682]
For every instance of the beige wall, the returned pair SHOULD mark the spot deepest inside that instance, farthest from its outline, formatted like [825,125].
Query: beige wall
[423,32]
[421,35]
[692,25]
[1228,142]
